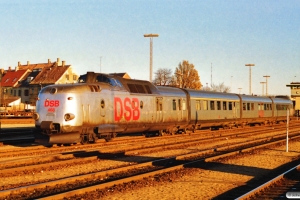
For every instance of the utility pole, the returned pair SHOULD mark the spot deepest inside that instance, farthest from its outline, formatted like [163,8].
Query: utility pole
[250,65]
[266,76]
[151,36]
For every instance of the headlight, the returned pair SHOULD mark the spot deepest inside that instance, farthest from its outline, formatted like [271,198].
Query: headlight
[69,116]
[35,116]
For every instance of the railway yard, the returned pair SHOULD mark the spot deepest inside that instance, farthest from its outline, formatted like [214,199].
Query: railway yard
[220,164]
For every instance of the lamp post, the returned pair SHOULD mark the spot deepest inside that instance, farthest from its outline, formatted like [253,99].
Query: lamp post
[266,76]
[151,36]
[262,94]
[249,65]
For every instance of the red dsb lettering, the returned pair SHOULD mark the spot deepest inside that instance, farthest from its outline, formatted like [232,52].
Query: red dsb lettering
[128,108]
[51,103]
[135,109]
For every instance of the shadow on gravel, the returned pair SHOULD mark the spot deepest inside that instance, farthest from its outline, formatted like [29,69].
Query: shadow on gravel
[260,176]
[118,157]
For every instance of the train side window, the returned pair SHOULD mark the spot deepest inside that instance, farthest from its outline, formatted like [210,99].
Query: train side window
[259,106]
[252,106]
[179,104]
[218,105]
[244,106]
[248,106]
[174,104]
[229,105]
[270,106]
[198,105]
[205,105]
[183,104]
[224,105]
[212,105]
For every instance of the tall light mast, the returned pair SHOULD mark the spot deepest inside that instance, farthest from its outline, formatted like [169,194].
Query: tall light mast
[151,36]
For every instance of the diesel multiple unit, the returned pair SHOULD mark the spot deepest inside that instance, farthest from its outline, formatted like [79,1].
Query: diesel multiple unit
[102,105]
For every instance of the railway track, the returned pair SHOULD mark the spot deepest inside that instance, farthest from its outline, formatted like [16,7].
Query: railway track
[121,173]
[285,185]
[92,182]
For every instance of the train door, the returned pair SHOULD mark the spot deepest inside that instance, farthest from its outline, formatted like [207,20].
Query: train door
[260,109]
[236,109]
[182,109]
[159,109]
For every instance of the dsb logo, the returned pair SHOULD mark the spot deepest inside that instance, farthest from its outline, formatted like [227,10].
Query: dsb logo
[127,108]
[51,103]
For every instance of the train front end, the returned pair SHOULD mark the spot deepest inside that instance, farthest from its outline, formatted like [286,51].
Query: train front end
[57,114]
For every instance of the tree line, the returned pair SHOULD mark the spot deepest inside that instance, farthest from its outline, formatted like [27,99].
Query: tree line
[185,76]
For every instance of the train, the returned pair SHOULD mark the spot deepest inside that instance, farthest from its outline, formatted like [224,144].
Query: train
[104,105]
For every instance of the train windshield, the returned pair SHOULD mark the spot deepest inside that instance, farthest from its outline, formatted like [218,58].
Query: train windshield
[100,78]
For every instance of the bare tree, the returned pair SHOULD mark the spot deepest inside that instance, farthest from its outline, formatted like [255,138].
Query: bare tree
[163,76]
[186,76]
[220,88]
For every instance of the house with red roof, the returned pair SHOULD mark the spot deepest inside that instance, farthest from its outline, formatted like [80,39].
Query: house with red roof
[25,81]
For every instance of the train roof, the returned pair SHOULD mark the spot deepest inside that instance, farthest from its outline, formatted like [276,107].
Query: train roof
[171,91]
[251,98]
[131,85]
[281,100]
[211,95]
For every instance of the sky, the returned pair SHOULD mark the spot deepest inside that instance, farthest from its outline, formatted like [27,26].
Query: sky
[218,37]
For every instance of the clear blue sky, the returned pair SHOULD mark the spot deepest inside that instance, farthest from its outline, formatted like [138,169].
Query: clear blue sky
[223,34]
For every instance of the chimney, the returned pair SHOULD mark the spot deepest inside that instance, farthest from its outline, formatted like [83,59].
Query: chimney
[16,69]
[58,61]
[63,63]
[9,68]
[28,62]
[19,63]
[49,61]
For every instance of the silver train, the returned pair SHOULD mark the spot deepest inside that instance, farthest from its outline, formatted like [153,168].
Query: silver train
[102,106]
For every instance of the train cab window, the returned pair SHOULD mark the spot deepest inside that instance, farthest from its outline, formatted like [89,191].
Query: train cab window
[218,105]
[224,105]
[212,105]
[183,104]
[174,104]
[229,105]
[205,105]
[198,105]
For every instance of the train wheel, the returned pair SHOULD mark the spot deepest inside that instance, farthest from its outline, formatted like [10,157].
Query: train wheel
[84,139]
